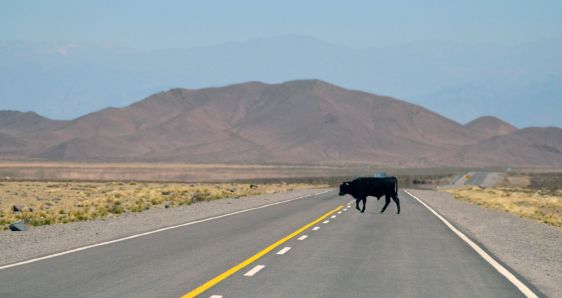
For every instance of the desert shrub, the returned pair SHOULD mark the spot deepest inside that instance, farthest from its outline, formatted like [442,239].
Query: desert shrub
[201,195]
[102,212]
[38,221]
[136,208]
[115,208]
[183,202]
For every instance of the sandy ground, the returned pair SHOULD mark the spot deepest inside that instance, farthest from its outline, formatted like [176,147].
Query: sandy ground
[44,240]
[531,249]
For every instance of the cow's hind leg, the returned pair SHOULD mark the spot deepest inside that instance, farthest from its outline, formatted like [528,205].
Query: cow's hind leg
[387,201]
[357,204]
[397,201]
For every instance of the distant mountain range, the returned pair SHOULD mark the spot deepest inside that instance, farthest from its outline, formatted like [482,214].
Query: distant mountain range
[521,84]
[297,122]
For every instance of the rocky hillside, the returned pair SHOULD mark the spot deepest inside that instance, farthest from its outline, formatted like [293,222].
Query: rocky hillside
[304,122]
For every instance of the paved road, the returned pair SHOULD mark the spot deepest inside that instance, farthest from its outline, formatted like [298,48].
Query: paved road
[477,178]
[354,255]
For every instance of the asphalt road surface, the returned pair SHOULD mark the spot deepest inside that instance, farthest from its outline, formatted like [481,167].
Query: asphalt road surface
[477,178]
[353,255]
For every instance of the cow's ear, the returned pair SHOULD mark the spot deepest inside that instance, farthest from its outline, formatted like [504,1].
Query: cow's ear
[346,183]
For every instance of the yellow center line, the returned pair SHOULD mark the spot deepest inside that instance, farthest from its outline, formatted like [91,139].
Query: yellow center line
[211,283]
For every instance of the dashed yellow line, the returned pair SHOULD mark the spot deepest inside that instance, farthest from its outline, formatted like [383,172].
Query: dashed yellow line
[211,283]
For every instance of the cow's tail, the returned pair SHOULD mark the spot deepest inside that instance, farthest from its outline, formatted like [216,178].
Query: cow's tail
[395,186]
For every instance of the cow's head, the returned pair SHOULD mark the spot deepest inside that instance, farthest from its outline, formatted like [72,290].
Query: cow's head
[344,188]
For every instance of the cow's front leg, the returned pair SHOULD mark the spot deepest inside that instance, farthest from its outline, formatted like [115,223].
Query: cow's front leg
[364,204]
[357,204]
[387,201]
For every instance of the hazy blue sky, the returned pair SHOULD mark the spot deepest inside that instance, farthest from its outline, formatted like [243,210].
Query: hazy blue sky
[181,24]
[64,59]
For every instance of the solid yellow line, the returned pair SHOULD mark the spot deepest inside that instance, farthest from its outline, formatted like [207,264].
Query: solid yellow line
[204,287]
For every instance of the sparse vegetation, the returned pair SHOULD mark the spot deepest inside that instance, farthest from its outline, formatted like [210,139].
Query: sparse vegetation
[251,173]
[47,203]
[541,204]
[547,181]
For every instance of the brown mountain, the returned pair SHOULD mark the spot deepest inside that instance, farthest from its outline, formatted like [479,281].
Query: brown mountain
[306,121]
[24,123]
[18,131]
[526,147]
[490,126]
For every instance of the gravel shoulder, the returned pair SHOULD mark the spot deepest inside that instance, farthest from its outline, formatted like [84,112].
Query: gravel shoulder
[532,249]
[45,240]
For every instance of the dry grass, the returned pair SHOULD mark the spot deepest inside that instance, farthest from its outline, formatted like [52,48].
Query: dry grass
[62,202]
[542,205]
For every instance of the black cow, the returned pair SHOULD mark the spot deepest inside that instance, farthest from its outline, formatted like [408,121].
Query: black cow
[361,188]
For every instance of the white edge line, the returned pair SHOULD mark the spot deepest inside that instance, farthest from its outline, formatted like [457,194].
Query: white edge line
[501,269]
[284,250]
[254,270]
[153,232]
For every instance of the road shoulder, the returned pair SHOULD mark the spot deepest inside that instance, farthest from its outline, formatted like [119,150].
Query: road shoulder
[45,240]
[531,249]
